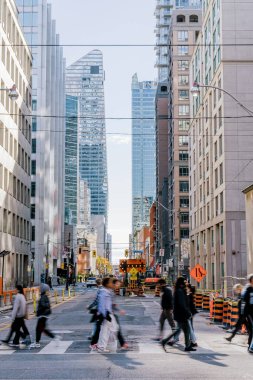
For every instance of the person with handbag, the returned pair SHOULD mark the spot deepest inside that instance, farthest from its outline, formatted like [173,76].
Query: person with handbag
[19,313]
[43,312]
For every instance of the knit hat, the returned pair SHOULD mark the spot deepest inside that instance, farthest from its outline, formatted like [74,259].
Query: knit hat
[44,288]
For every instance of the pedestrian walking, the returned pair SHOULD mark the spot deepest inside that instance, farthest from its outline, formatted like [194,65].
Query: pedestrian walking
[43,312]
[247,299]
[167,307]
[182,315]
[238,288]
[193,310]
[19,313]
[116,310]
[93,309]
[105,310]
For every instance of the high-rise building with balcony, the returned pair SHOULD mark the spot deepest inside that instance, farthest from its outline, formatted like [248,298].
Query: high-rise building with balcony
[48,136]
[15,149]
[163,13]
[85,80]
[184,29]
[221,142]
[143,151]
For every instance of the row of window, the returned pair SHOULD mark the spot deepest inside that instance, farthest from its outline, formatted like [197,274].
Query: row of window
[10,144]
[13,186]
[14,225]
[15,37]
[208,212]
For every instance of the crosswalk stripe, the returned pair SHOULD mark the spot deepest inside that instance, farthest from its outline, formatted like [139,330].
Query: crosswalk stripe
[56,348]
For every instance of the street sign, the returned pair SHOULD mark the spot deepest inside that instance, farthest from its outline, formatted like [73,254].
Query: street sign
[198,273]
[161,252]
[133,274]
[170,263]
[181,266]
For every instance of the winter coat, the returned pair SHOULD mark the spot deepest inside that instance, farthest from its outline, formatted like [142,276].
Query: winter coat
[247,298]
[181,306]
[192,306]
[167,298]
[19,307]
[44,308]
[105,302]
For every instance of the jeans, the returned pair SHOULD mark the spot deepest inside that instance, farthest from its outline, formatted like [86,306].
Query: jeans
[17,325]
[96,333]
[182,325]
[166,314]
[42,327]
[104,335]
[120,336]
[241,321]
[192,333]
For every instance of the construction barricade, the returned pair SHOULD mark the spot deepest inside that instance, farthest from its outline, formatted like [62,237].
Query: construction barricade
[198,300]
[218,310]
[234,313]
[226,314]
[206,302]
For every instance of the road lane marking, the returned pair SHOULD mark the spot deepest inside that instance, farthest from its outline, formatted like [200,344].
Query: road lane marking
[56,348]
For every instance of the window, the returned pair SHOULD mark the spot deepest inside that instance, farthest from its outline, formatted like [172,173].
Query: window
[215,124]
[212,238]
[183,50]
[33,168]
[183,140]
[220,117]
[221,203]
[34,124]
[183,155]
[184,217]
[184,125]
[216,178]
[184,186]
[33,189]
[216,206]
[33,145]
[182,35]
[215,151]
[183,65]
[183,171]
[180,18]
[184,110]
[184,202]
[94,69]
[5,220]
[33,233]
[184,233]
[183,80]
[221,174]
[34,105]
[221,235]
[183,94]
[220,145]
[194,18]
[33,211]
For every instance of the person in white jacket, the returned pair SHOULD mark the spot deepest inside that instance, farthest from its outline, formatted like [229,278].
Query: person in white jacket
[18,319]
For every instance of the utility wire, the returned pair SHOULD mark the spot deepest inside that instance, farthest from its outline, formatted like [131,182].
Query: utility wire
[184,43]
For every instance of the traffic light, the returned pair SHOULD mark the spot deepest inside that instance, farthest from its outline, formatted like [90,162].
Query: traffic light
[126,253]
[94,253]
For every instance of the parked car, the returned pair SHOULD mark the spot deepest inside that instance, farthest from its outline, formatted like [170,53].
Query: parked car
[91,281]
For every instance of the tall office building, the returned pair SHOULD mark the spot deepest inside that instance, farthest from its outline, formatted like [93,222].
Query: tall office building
[184,29]
[163,13]
[15,149]
[85,80]
[48,135]
[143,151]
[221,142]
[71,161]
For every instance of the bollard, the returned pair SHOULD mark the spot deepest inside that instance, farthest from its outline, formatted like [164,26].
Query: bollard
[69,294]
[63,294]
[56,296]
[74,292]
[34,303]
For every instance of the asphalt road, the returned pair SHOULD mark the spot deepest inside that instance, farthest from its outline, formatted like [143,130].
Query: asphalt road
[71,357]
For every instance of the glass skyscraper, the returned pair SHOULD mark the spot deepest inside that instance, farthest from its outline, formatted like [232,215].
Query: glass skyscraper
[143,151]
[85,80]
[71,160]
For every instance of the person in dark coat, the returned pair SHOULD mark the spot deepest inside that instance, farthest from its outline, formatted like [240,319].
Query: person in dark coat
[43,312]
[167,307]
[247,299]
[182,314]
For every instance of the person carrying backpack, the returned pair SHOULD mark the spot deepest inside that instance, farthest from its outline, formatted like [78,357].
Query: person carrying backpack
[43,312]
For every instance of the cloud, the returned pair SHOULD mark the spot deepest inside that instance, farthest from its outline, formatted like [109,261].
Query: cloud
[119,139]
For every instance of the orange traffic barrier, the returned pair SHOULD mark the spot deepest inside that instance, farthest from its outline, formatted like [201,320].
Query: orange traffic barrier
[198,300]
[211,304]
[226,315]
[234,313]
[218,310]
[206,302]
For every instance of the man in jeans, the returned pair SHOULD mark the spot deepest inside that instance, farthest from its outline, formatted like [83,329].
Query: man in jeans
[167,307]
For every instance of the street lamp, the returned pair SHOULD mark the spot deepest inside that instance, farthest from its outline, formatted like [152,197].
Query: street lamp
[195,90]
[12,92]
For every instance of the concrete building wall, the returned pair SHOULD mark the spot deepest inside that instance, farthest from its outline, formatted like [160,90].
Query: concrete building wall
[249,227]
[15,149]
[221,143]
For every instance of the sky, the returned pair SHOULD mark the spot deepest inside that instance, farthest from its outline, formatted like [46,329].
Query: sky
[113,22]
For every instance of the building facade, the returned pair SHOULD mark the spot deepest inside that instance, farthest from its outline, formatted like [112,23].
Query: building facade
[85,79]
[221,142]
[249,226]
[143,151]
[48,136]
[71,161]
[15,150]
[184,29]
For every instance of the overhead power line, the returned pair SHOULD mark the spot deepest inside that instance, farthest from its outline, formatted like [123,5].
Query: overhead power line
[134,45]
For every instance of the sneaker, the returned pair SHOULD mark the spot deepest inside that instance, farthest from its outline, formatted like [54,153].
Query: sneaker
[194,345]
[34,345]
[4,342]
[13,345]
[188,349]
[229,339]
[124,347]
[93,347]
[102,350]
